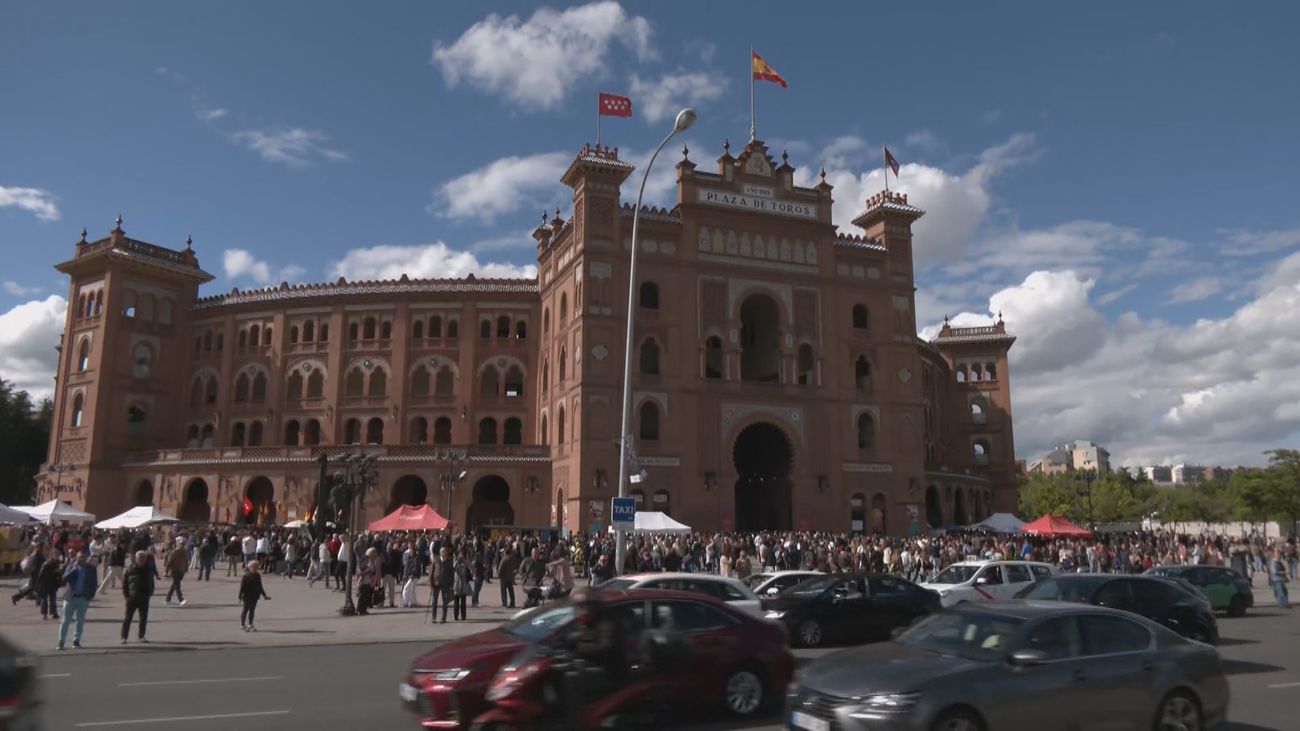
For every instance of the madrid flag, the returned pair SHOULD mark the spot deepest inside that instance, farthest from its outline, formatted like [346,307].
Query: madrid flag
[613,105]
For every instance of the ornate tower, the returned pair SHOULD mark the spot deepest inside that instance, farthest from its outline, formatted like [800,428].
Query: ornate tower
[121,368]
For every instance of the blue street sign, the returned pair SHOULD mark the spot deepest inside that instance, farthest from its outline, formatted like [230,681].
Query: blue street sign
[622,512]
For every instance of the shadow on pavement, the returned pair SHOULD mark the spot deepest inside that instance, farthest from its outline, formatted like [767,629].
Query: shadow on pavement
[1230,641]
[1245,727]
[1242,667]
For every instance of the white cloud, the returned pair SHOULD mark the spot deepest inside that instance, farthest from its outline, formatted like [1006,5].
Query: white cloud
[1245,243]
[662,98]
[19,290]
[1116,295]
[925,141]
[1195,290]
[535,63]
[504,186]
[1284,272]
[295,147]
[33,200]
[209,115]
[241,264]
[29,332]
[420,261]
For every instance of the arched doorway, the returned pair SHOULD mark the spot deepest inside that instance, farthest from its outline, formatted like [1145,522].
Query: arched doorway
[763,458]
[408,490]
[143,493]
[760,339]
[195,508]
[878,514]
[259,503]
[933,511]
[558,511]
[959,516]
[491,503]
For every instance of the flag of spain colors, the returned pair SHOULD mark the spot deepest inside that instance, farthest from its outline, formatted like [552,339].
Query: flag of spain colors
[763,71]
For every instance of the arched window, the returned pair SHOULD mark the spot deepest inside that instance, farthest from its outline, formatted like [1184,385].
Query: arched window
[442,430]
[315,384]
[546,375]
[760,337]
[564,359]
[521,330]
[545,434]
[961,374]
[713,364]
[981,451]
[221,342]
[443,383]
[294,389]
[990,372]
[309,331]
[141,360]
[649,422]
[419,430]
[375,431]
[78,404]
[206,438]
[83,356]
[354,332]
[453,329]
[241,388]
[242,341]
[324,336]
[649,296]
[805,365]
[210,391]
[514,382]
[237,434]
[207,341]
[859,317]
[417,330]
[196,393]
[99,303]
[266,336]
[866,431]
[978,411]
[503,327]
[435,327]
[546,321]
[352,431]
[293,334]
[862,373]
[514,432]
[485,329]
[564,309]
[255,434]
[128,304]
[355,385]
[378,382]
[487,431]
[83,306]
[559,426]
[291,433]
[975,372]
[254,336]
[649,357]
[192,436]
[489,382]
[420,382]
[368,328]
[311,435]
[386,330]
[259,388]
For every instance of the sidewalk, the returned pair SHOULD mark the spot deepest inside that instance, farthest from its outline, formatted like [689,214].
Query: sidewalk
[296,615]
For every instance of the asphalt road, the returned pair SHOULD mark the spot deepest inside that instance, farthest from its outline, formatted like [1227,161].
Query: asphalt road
[355,686]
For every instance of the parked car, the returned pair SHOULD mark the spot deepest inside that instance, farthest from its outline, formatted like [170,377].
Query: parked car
[1161,600]
[987,581]
[768,585]
[738,662]
[1226,589]
[19,704]
[1012,666]
[849,608]
[731,591]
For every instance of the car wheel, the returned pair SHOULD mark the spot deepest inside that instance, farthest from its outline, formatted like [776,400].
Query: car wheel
[958,719]
[743,692]
[1237,607]
[810,633]
[1178,712]
[1200,634]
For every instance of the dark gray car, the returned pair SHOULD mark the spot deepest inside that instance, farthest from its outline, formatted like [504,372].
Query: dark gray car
[1016,665]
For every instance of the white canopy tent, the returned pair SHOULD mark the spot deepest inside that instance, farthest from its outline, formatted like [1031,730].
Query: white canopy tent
[651,521]
[1000,523]
[57,511]
[136,517]
[13,515]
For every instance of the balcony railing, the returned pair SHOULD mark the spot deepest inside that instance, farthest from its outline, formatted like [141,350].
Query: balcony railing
[386,452]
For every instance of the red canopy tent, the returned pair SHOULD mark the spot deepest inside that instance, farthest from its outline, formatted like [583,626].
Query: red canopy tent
[410,517]
[1051,525]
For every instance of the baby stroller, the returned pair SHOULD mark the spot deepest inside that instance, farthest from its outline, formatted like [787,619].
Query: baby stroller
[549,592]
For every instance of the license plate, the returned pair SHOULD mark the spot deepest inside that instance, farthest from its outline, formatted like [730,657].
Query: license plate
[407,692]
[799,719]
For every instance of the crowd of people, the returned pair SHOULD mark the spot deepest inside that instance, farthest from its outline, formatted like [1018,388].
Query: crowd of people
[395,569]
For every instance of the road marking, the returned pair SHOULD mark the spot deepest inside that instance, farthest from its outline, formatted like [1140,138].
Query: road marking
[55,675]
[1284,685]
[173,719]
[195,682]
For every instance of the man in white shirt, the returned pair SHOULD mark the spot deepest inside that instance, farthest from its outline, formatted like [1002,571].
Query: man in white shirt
[345,553]
[249,547]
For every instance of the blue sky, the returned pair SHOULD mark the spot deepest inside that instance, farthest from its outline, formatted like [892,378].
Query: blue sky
[1120,180]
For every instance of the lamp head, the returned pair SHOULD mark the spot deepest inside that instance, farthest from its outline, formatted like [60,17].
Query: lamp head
[685,119]
[463,474]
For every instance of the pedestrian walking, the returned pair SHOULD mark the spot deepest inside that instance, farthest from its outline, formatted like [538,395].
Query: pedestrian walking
[506,575]
[138,588]
[341,561]
[392,570]
[47,585]
[234,550]
[207,557]
[31,567]
[290,558]
[117,556]
[477,574]
[324,559]
[175,566]
[442,579]
[1277,576]
[461,586]
[82,581]
[250,592]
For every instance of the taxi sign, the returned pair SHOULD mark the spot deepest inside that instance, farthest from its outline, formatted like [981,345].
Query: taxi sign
[622,513]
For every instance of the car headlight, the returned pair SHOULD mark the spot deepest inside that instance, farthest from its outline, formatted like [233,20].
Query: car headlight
[884,704]
[449,675]
[773,614]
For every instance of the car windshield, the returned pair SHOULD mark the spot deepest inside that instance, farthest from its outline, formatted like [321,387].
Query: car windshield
[618,584]
[1164,571]
[973,635]
[811,587]
[539,624]
[1071,590]
[754,580]
[956,574]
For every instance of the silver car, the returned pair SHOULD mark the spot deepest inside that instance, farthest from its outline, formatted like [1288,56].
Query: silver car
[1016,665]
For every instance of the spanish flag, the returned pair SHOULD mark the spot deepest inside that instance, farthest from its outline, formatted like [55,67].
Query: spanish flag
[763,71]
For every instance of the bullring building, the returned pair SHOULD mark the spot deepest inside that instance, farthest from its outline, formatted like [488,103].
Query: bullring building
[778,380]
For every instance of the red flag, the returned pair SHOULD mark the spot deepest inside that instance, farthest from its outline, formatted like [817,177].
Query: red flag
[248,506]
[891,161]
[763,71]
[613,105]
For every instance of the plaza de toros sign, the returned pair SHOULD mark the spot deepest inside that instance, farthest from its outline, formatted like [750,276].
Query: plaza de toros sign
[758,204]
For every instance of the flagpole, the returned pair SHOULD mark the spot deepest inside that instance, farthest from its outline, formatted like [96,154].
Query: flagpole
[752,133]
[884,154]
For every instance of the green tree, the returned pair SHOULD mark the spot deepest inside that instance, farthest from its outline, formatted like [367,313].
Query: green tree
[1046,495]
[24,438]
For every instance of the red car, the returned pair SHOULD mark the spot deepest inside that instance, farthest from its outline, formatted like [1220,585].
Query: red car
[738,663]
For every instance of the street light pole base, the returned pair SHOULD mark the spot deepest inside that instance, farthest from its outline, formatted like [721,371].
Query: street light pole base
[348,610]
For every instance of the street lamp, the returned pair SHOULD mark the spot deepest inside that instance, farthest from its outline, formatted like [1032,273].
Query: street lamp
[1088,477]
[685,119]
[358,476]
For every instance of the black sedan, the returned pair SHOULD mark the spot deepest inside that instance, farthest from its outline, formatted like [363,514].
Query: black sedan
[1160,600]
[849,607]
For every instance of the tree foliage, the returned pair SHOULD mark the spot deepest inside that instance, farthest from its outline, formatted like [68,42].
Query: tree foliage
[24,437]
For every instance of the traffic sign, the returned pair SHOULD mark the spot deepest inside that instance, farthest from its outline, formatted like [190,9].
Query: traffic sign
[622,513]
